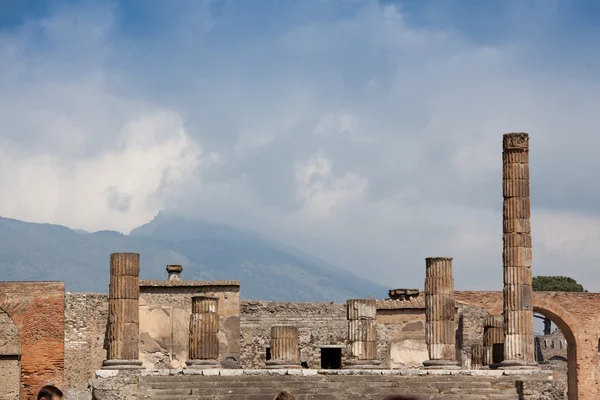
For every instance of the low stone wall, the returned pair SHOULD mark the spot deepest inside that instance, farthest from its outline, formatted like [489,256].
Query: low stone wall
[326,384]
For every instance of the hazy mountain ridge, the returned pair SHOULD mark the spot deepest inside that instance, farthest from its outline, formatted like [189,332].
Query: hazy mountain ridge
[268,269]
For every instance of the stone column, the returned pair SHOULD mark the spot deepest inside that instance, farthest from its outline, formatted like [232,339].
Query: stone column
[284,347]
[123,312]
[519,348]
[476,356]
[204,333]
[440,312]
[362,334]
[493,340]
[174,271]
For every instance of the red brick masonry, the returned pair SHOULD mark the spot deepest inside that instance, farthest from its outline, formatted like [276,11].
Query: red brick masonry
[38,311]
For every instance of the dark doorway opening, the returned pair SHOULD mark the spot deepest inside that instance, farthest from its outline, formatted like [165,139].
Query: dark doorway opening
[267,353]
[331,358]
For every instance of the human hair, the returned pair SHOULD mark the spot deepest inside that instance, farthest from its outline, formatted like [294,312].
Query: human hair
[285,396]
[48,392]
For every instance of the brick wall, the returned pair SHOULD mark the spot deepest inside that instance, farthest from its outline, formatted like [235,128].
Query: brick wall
[37,310]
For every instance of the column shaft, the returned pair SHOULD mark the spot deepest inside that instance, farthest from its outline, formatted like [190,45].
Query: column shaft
[284,347]
[519,349]
[476,356]
[440,311]
[204,333]
[123,312]
[362,334]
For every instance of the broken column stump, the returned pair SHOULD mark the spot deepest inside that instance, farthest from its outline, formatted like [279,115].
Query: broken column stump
[519,342]
[284,347]
[362,334]
[440,313]
[123,312]
[493,340]
[203,349]
[476,356]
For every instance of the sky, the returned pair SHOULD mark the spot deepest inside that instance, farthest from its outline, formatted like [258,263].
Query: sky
[367,133]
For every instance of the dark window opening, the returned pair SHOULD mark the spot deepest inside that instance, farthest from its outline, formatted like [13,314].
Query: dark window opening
[331,358]
[268,353]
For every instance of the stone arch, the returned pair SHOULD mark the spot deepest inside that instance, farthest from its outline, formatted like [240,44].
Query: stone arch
[10,357]
[567,325]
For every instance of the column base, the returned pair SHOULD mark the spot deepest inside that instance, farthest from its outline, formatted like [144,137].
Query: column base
[122,364]
[362,364]
[441,364]
[518,364]
[282,364]
[202,364]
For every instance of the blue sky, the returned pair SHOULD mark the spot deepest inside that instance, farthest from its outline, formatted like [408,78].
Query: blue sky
[367,133]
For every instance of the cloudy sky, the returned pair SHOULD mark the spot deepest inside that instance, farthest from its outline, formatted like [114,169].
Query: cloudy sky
[368,133]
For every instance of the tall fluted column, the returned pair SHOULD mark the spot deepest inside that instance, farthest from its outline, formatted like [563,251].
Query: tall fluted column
[123,312]
[440,311]
[362,334]
[284,347]
[476,356]
[493,340]
[204,333]
[519,349]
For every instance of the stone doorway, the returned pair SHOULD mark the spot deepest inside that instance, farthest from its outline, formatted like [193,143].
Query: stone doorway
[331,357]
[10,358]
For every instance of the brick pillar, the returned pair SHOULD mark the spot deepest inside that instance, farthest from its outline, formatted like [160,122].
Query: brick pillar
[476,356]
[204,333]
[519,348]
[440,312]
[493,340]
[362,334]
[123,312]
[284,347]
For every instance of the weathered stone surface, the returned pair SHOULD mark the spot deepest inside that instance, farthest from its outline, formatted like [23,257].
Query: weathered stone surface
[284,344]
[440,309]
[123,321]
[204,329]
[493,340]
[476,356]
[517,255]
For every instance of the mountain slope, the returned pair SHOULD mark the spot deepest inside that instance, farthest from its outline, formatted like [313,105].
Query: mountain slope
[267,269]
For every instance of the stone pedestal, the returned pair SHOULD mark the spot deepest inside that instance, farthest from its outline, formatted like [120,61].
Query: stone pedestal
[123,312]
[476,356]
[204,333]
[362,334]
[284,347]
[519,346]
[493,340]
[440,312]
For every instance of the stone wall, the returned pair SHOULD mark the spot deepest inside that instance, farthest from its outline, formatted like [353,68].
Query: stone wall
[317,323]
[86,317]
[165,308]
[37,309]
[10,364]
[469,331]
[164,326]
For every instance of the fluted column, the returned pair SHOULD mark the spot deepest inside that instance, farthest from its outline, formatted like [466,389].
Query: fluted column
[493,340]
[284,347]
[440,311]
[123,312]
[476,356]
[362,334]
[204,333]
[519,348]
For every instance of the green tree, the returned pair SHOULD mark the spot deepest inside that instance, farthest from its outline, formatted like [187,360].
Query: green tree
[556,284]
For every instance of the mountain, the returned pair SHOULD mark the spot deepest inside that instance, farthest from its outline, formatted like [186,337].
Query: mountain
[267,269]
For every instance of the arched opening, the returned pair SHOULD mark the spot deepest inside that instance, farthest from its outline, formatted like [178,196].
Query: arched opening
[10,358]
[571,346]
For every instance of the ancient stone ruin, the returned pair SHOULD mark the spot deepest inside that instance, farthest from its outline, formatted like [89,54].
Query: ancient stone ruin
[174,338]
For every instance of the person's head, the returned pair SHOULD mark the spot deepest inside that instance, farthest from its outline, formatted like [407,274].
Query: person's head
[285,396]
[50,392]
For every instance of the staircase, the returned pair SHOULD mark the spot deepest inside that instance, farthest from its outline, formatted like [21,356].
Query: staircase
[329,387]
